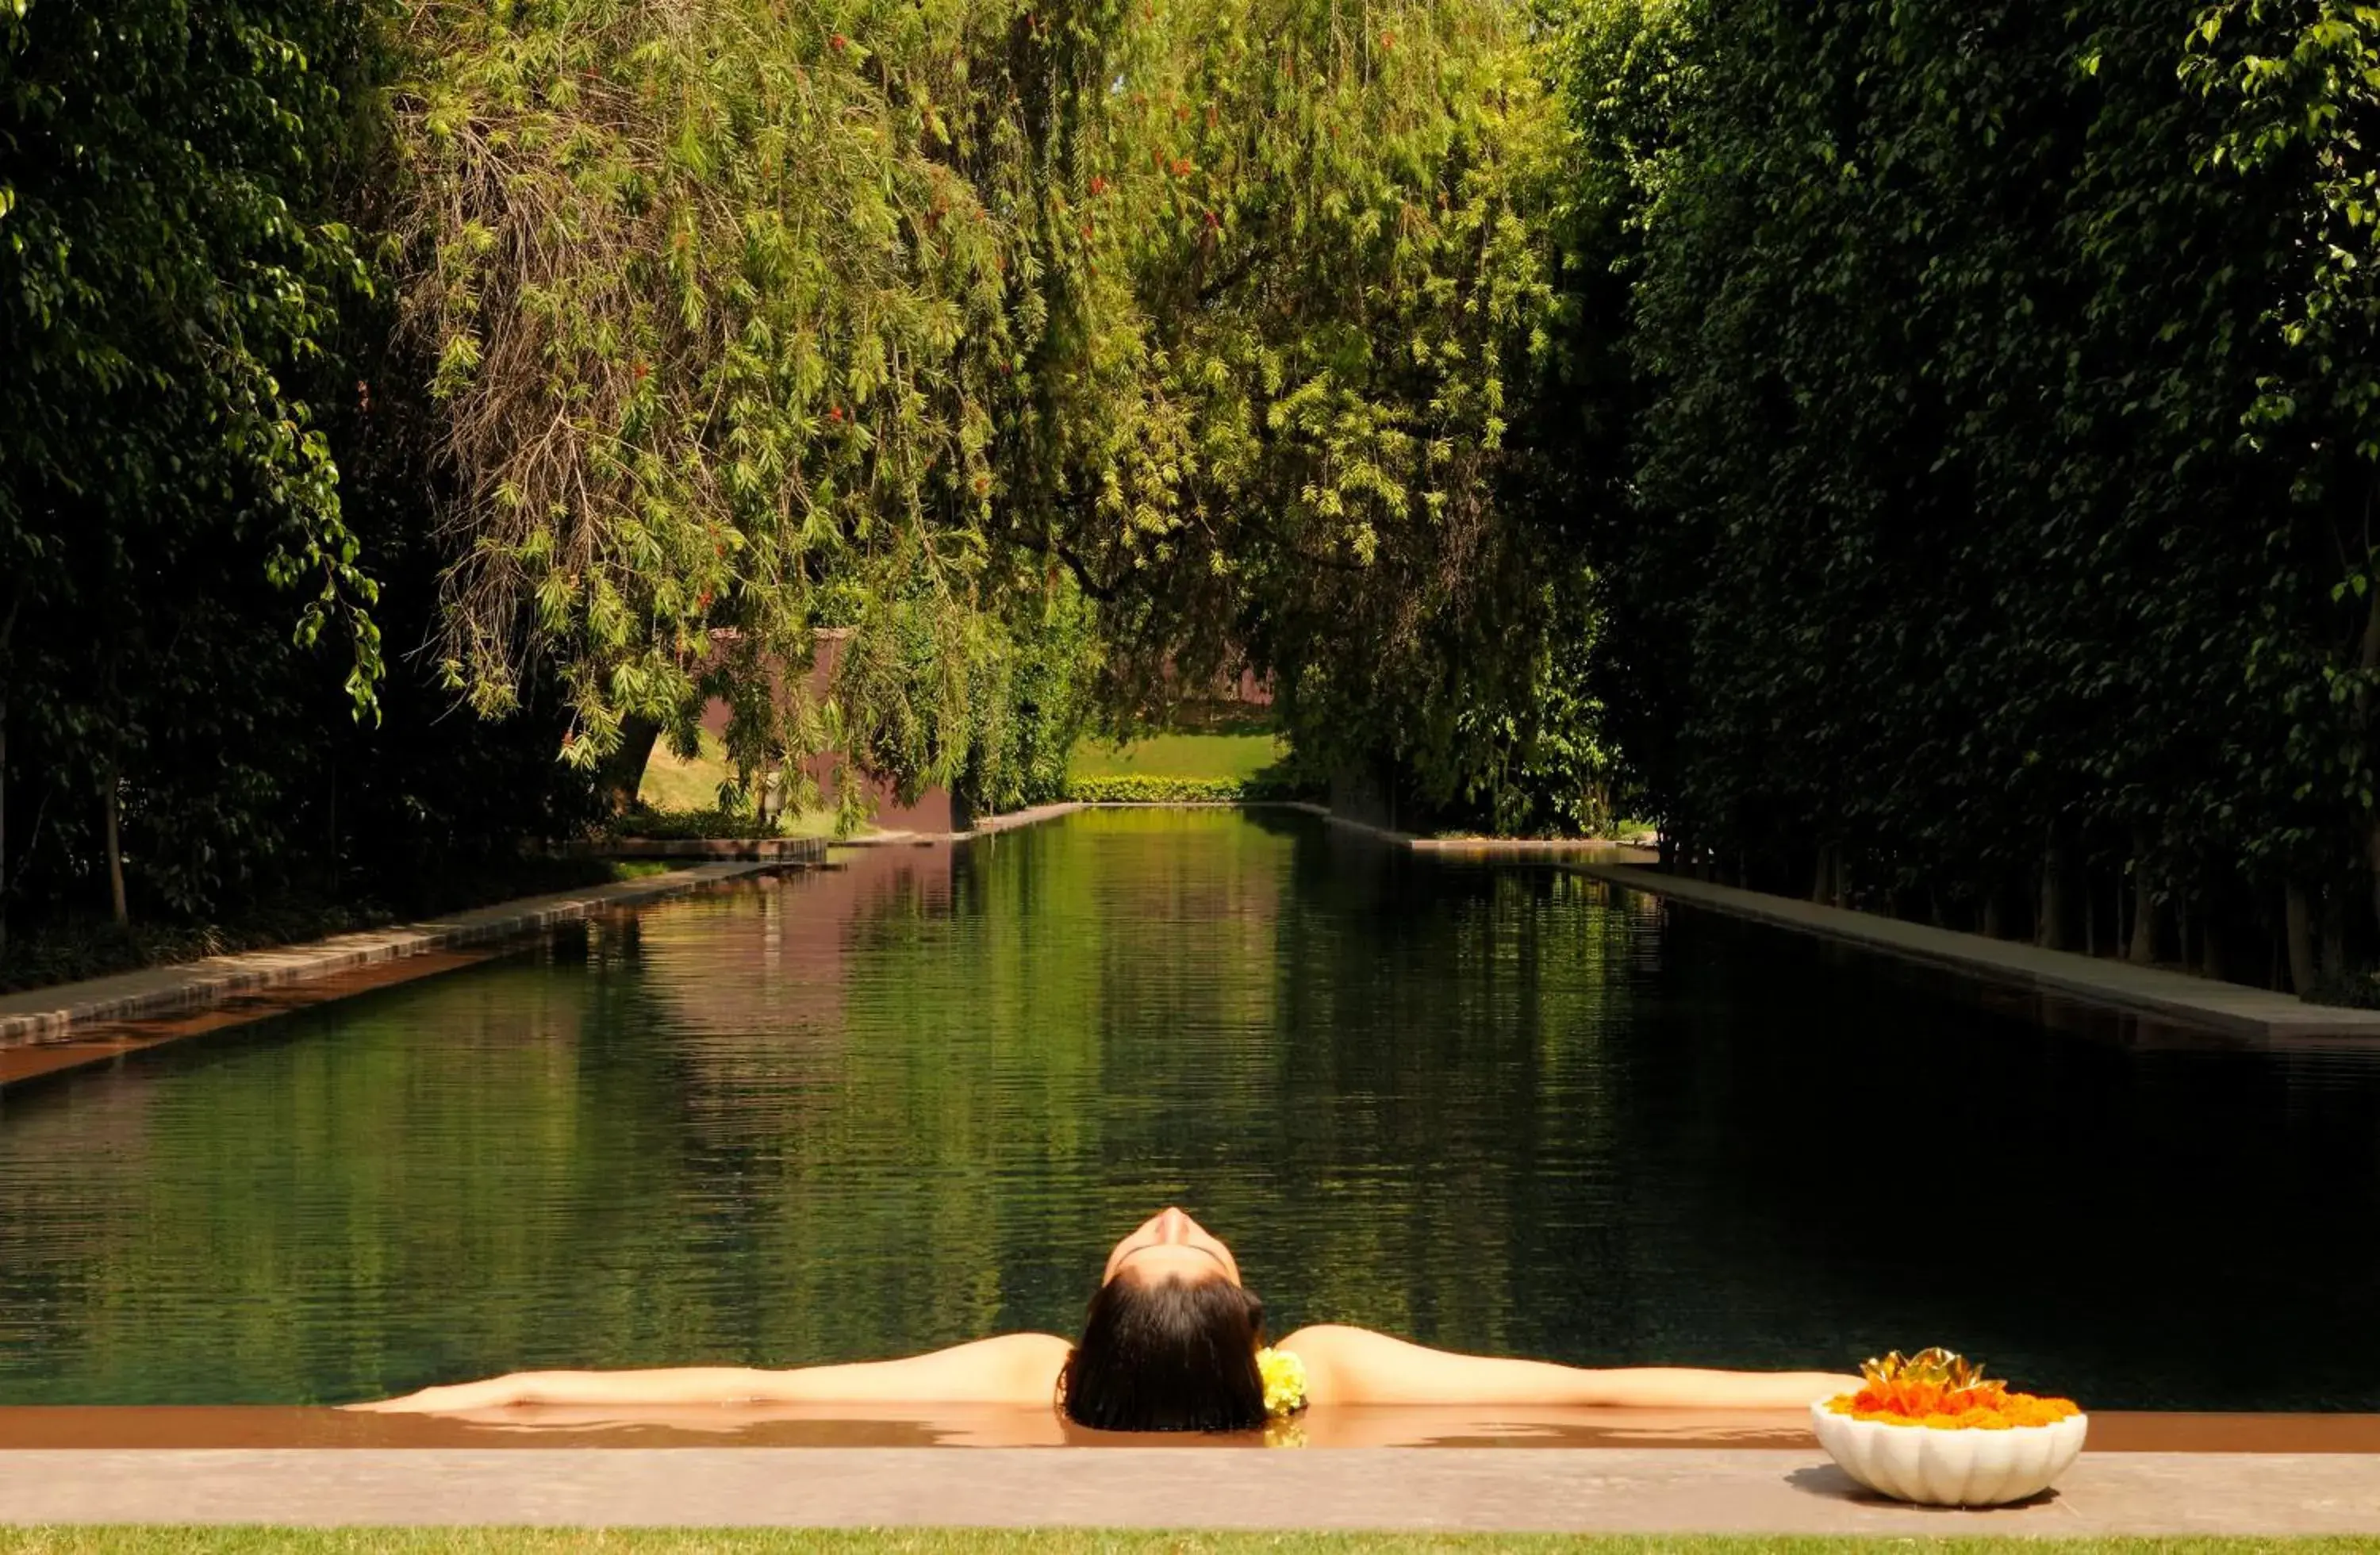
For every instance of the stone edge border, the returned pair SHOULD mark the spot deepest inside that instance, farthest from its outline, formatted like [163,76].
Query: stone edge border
[1514,849]
[2229,1008]
[1033,815]
[1531,1489]
[776,850]
[49,1013]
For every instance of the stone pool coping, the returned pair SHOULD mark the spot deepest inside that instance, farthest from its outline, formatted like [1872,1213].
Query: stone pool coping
[47,1014]
[2166,995]
[978,1427]
[1602,1490]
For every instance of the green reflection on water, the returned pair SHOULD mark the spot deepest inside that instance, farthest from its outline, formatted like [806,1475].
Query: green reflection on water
[900,1104]
[910,1102]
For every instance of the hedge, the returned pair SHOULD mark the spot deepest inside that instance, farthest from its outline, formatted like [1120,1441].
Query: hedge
[1141,788]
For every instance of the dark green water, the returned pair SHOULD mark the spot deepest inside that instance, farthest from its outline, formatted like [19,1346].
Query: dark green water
[861,1112]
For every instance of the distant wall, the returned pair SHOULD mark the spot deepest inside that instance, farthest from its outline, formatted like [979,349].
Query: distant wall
[937,809]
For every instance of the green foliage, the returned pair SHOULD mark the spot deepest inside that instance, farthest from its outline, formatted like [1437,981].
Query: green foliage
[2003,514]
[1149,788]
[1328,287]
[680,825]
[175,571]
[723,300]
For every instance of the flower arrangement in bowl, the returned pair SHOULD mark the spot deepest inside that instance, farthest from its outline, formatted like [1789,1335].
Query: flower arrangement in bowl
[1931,1428]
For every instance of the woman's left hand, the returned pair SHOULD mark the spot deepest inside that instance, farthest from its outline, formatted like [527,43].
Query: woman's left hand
[493,1393]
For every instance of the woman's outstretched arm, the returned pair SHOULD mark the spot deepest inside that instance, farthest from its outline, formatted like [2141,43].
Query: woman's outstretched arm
[1014,1369]
[1356,1365]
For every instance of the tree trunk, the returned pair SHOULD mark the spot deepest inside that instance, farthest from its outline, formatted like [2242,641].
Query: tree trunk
[2372,854]
[115,858]
[4,823]
[623,772]
[331,865]
[2367,657]
[7,635]
[2298,914]
[2050,928]
[2334,932]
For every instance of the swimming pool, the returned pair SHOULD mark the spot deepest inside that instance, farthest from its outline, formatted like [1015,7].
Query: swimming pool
[910,1101]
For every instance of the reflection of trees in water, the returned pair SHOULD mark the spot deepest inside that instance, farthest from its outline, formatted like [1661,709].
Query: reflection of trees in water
[250,1246]
[848,1115]
[1441,1045]
[2131,1224]
[858,1111]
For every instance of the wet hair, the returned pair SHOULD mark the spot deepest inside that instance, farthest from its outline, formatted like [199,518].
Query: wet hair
[1172,1355]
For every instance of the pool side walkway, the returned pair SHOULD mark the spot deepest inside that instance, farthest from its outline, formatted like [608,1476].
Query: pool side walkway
[1614,1490]
[2147,991]
[45,1014]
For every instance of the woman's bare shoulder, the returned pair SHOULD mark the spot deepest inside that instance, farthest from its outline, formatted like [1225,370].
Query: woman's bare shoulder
[1340,1360]
[1317,1338]
[1030,1363]
[1031,1348]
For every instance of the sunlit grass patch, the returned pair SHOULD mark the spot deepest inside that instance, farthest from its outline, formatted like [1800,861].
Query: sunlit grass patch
[1238,756]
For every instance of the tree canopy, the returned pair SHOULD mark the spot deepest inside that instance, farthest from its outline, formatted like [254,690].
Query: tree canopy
[1923,454]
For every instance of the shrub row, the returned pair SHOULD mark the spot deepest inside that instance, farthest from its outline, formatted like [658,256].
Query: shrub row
[1138,788]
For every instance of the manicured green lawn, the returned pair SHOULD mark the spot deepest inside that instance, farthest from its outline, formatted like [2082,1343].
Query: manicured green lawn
[678,786]
[1058,1541]
[1185,756]
[672,783]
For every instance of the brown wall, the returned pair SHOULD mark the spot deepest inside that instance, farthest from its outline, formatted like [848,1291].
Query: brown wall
[937,809]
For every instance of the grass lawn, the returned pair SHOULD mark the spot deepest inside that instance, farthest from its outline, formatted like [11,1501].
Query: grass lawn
[1056,1541]
[672,783]
[1182,755]
[678,786]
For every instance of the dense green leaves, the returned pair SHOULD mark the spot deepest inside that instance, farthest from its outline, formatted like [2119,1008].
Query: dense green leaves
[753,319]
[720,302]
[1335,225]
[174,568]
[1935,442]
[2006,478]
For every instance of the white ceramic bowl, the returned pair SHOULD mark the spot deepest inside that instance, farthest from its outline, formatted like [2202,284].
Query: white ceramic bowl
[1962,1467]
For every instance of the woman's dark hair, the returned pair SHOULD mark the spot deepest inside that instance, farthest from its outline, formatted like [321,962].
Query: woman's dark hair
[1174,1355]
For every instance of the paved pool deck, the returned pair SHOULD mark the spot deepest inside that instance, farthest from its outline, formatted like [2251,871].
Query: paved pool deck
[46,1016]
[2150,991]
[1595,1490]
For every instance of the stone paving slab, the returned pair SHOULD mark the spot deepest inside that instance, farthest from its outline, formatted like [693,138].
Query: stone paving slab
[987,826]
[1502,850]
[969,1427]
[2173,996]
[49,1013]
[1598,1491]
[779,850]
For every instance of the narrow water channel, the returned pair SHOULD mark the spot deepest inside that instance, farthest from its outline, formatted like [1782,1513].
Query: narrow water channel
[910,1101]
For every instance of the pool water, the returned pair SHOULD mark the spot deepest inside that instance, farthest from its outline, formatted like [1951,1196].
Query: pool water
[910,1102]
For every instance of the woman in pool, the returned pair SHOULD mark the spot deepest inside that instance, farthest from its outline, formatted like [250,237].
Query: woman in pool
[1173,1343]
